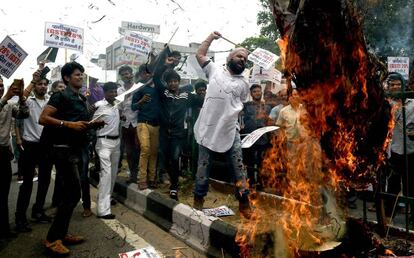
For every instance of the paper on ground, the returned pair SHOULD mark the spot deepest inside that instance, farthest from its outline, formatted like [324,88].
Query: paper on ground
[147,252]
[221,211]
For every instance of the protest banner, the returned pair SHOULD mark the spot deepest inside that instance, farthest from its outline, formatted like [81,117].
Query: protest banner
[251,138]
[63,36]
[136,44]
[263,58]
[400,65]
[137,26]
[11,56]
[147,252]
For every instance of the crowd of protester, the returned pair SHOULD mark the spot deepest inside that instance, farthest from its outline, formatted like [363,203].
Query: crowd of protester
[155,128]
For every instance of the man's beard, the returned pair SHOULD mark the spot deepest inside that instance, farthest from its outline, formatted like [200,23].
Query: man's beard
[235,67]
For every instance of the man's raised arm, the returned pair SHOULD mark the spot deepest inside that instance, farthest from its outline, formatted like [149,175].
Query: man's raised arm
[202,50]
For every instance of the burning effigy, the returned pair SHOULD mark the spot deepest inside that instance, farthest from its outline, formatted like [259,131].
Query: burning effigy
[344,130]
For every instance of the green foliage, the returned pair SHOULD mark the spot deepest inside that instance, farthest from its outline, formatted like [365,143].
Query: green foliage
[263,42]
[388,26]
[268,31]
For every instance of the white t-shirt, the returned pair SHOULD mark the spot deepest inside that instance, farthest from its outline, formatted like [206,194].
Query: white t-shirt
[216,125]
[111,117]
[32,129]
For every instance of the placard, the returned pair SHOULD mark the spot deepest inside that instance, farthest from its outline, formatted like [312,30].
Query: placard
[136,44]
[63,36]
[11,56]
[263,58]
[400,65]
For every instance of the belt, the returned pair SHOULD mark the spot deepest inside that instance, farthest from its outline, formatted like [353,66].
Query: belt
[109,137]
[150,123]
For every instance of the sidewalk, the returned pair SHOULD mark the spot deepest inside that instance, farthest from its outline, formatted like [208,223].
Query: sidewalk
[211,235]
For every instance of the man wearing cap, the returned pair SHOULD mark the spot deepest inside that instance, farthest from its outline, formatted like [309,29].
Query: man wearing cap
[217,129]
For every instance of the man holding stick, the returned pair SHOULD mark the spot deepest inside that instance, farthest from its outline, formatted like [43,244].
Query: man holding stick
[217,129]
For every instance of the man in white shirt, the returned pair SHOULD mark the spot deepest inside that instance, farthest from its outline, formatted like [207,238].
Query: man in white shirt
[217,129]
[398,177]
[107,147]
[33,153]
[129,139]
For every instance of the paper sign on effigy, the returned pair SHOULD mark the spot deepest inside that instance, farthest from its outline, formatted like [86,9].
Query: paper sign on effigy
[147,252]
[263,58]
[136,44]
[251,138]
[134,88]
[11,56]
[63,36]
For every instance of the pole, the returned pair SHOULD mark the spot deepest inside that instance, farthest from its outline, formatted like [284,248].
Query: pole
[173,35]
[236,45]
[66,55]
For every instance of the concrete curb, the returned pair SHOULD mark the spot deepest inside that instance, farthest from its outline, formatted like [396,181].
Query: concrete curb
[206,234]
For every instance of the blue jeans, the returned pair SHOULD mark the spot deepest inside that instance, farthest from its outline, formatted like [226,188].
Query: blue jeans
[234,157]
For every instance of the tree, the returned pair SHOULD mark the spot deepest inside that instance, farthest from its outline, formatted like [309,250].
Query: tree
[388,26]
[268,31]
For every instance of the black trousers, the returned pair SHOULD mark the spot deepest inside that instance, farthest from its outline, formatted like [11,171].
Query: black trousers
[397,164]
[68,163]
[129,143]
[5,180]
[169,154]
[32,155]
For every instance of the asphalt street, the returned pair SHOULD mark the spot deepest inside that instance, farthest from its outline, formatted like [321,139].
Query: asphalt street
[105,238]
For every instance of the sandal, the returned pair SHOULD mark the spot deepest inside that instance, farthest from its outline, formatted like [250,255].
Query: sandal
[86,213]
[57,247]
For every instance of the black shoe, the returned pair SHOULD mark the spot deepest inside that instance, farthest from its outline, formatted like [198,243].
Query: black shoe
[41,217]
[108,216]
[23,227]
[113,202]
[174,195]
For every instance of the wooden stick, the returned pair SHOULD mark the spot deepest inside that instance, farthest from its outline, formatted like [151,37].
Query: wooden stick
[173,35]
[236,45]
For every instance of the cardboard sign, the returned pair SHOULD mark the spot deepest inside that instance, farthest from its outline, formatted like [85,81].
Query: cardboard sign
[63,36]
[263,58]
[400,65]
[251,138]
[147,252]
[221,211]
[261,74]
[11,56]
[136,44]
[135,26]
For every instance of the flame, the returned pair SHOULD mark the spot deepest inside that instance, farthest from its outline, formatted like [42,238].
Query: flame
[308,177]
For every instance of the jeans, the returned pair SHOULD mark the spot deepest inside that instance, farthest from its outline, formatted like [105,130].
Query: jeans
[5,180]
[33,154]
[234,157]
[68,163]
[148,136]
[169,156]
